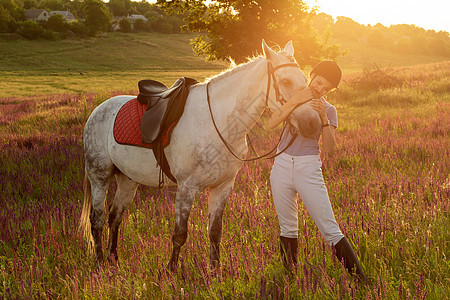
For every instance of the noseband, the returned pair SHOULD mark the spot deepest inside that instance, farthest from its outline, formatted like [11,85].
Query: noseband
[279,98]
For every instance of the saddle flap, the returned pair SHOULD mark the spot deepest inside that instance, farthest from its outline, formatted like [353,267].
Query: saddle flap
[152,120]
[165,106]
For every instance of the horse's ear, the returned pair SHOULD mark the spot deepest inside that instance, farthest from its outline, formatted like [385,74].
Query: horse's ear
[289,48]
[268,53]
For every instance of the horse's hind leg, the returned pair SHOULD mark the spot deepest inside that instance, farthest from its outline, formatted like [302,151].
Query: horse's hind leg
[183,204]
[97,215]
[99,171]
[126,188]
[218,197]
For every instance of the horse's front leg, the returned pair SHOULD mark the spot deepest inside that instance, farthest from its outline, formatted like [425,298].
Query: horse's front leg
[97,215]
[217,201]
[183,204]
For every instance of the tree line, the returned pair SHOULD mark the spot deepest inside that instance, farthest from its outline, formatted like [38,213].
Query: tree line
[401,38]
[92,17]
[227,28]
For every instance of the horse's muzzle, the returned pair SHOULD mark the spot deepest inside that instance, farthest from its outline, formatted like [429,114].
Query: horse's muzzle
[306,120]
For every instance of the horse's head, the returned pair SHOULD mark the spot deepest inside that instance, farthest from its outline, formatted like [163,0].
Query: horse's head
[287,77]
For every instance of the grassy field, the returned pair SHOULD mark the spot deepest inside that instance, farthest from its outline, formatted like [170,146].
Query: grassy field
[119,61]
[115,62]
[388,182]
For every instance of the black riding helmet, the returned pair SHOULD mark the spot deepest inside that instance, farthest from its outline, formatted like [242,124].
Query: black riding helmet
[329,70]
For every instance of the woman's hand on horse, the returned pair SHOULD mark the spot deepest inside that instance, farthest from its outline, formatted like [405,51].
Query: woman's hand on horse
[319,106]
[301,95]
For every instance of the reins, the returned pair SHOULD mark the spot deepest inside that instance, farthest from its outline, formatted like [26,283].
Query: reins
[279,98]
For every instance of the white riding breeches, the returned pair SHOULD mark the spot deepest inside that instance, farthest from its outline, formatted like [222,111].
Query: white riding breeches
[302,175]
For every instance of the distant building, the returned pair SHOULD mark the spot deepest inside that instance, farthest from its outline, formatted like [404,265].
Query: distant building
[36,15]
[133,18]
[66,15]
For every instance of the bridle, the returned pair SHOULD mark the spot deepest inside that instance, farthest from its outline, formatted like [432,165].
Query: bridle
[271,75]
[279,98]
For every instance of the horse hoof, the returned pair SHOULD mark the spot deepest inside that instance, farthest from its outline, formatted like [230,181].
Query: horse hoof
[214,267]
[98,265]
[113,260]
[171,267]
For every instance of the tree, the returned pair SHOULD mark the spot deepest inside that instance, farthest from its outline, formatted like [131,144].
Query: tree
[14,11]
[125,25]
[79,28]
[57,23]
[76,8]
[5,19]
[140,25]
[31,30]
[235,28]
[322,21]
[142,7]
[160,24]
[119,7]
[97,15]
[347,29]
[51,4]
[28,4]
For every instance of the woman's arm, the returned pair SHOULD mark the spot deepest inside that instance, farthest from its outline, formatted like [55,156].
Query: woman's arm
[328,140]
[301,95]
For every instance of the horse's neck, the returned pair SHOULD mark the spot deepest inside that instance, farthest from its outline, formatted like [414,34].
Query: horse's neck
[239,98]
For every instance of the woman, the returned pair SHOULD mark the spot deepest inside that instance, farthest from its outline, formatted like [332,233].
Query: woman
[298,171]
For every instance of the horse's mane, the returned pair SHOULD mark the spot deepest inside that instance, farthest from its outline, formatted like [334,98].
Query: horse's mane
[233,68]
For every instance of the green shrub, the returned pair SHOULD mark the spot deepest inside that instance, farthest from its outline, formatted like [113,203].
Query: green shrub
[51,35]
[57,23]
[79,28]
[31,30]
[176,22]
[125,25]
[160,24]
[140,25]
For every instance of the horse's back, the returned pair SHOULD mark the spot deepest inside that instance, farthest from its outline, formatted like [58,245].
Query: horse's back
[101,120]
[107,110]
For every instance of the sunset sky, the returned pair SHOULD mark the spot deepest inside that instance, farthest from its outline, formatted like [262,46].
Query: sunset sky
[429,14]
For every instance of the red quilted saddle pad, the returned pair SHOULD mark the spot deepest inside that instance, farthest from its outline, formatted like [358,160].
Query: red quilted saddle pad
[127,126]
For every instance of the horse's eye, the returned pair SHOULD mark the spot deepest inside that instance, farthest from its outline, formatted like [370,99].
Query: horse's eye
[286,82]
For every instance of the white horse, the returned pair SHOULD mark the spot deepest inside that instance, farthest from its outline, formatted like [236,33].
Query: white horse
[197,156]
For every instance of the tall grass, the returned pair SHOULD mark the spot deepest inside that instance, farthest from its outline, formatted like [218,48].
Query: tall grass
[388,182]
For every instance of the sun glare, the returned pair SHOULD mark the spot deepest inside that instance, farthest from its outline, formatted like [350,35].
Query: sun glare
[432,14]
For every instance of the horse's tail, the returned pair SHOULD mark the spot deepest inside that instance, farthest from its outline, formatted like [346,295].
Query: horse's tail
[85,221]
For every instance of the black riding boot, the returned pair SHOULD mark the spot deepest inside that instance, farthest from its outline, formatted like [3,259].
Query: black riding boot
[345,251]
[288,247]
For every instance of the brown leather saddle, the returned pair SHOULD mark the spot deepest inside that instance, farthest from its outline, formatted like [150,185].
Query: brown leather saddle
[165,106]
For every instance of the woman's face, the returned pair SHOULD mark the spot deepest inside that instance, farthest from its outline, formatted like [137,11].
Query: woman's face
[320,86]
